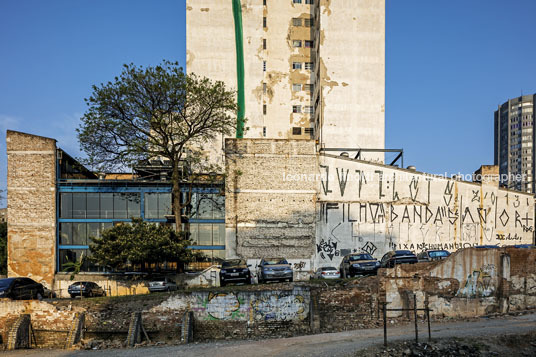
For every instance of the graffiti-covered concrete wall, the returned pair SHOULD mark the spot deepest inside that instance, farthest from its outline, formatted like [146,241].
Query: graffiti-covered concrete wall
[285,199]
[377,208]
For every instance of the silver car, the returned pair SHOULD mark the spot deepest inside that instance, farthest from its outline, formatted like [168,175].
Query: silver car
[162,284]
[327,273]
[274,269]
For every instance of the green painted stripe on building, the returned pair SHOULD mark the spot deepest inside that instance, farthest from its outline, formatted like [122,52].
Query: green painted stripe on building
[237,13]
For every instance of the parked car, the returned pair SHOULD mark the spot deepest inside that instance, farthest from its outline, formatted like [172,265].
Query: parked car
[21,289]
[432,255]
[390,259]
[234,271]
[326,273]
[162,284]
[85,288]
[277,269]
[358,264]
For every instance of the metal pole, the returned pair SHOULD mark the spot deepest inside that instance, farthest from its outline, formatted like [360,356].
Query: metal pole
[428,319]
[415,315]
[384,323]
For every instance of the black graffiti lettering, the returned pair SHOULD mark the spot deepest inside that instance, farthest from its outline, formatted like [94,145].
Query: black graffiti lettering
[330,205]
[438,216]
[369,247]
[394,216]
[466,213]
[361,179]
[483,218]
[406,214]
[428,215]
[516,202]
[476,196]
[453,216]
[417,212]
[413,188]
[448,193]
[504,217]
[380,183]
[325,186]
[362,208]
[349,215]
[342,180]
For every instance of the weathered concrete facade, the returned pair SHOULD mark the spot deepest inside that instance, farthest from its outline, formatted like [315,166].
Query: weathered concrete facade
[318,208]
[317,66]
[31,203]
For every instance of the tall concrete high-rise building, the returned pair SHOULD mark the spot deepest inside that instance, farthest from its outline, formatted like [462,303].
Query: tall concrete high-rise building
[514,142]
[303,68]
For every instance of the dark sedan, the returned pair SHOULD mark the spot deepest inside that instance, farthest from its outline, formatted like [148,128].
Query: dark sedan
[274,269]
[394,257]
[234,271]
[21,289]
[85,288]
[433,255]
[358,264]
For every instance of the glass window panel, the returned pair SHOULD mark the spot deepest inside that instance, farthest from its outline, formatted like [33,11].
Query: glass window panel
[68,256]
[218,254]
[66,205]
[120,205]
[133,205]
[194,233]
[106,225]
[205,234]
[93,231]
[93,205]
[151,205]
[66,233]
[79,205]
[79,234]
[218,234]
[164,205]
[219,206]
[204,206]
[107,205]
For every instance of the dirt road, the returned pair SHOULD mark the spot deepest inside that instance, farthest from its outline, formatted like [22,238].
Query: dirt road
[334,344]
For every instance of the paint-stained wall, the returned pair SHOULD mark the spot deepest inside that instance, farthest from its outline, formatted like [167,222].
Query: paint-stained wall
[341,55]
[351,63]
[377,208]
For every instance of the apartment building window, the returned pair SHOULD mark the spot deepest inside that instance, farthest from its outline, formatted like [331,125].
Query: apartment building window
[296,65]
[308,87]
[296,131]
[309,2]
[264,109]
[264,21]
[264,131]
[309,44]
[264,66]
[263,43]
[296,108]
[264,2]
[296,21]
[264,88]
[296,87]
[308,22]
[308,109]
[297,1]
[309,66]
[309,131]
[296,43]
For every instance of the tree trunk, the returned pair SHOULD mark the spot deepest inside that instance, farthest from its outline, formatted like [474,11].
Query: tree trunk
[176,196]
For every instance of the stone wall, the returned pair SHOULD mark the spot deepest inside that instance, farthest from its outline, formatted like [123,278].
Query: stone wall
[266,216]
[31,203]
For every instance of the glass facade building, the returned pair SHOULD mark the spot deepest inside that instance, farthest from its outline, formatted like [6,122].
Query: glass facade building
[88,205]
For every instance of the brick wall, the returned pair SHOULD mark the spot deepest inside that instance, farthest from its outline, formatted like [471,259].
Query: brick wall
[31,203]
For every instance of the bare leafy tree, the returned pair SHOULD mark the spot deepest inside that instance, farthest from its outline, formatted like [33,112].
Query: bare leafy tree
[155,112]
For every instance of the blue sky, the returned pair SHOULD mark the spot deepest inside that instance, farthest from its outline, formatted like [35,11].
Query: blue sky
[449,63]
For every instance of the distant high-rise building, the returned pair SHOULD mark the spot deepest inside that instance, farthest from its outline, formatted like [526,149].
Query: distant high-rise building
[514,143]
[305,68]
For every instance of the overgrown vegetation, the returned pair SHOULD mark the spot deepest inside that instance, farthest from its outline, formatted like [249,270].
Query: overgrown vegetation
[3,248]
